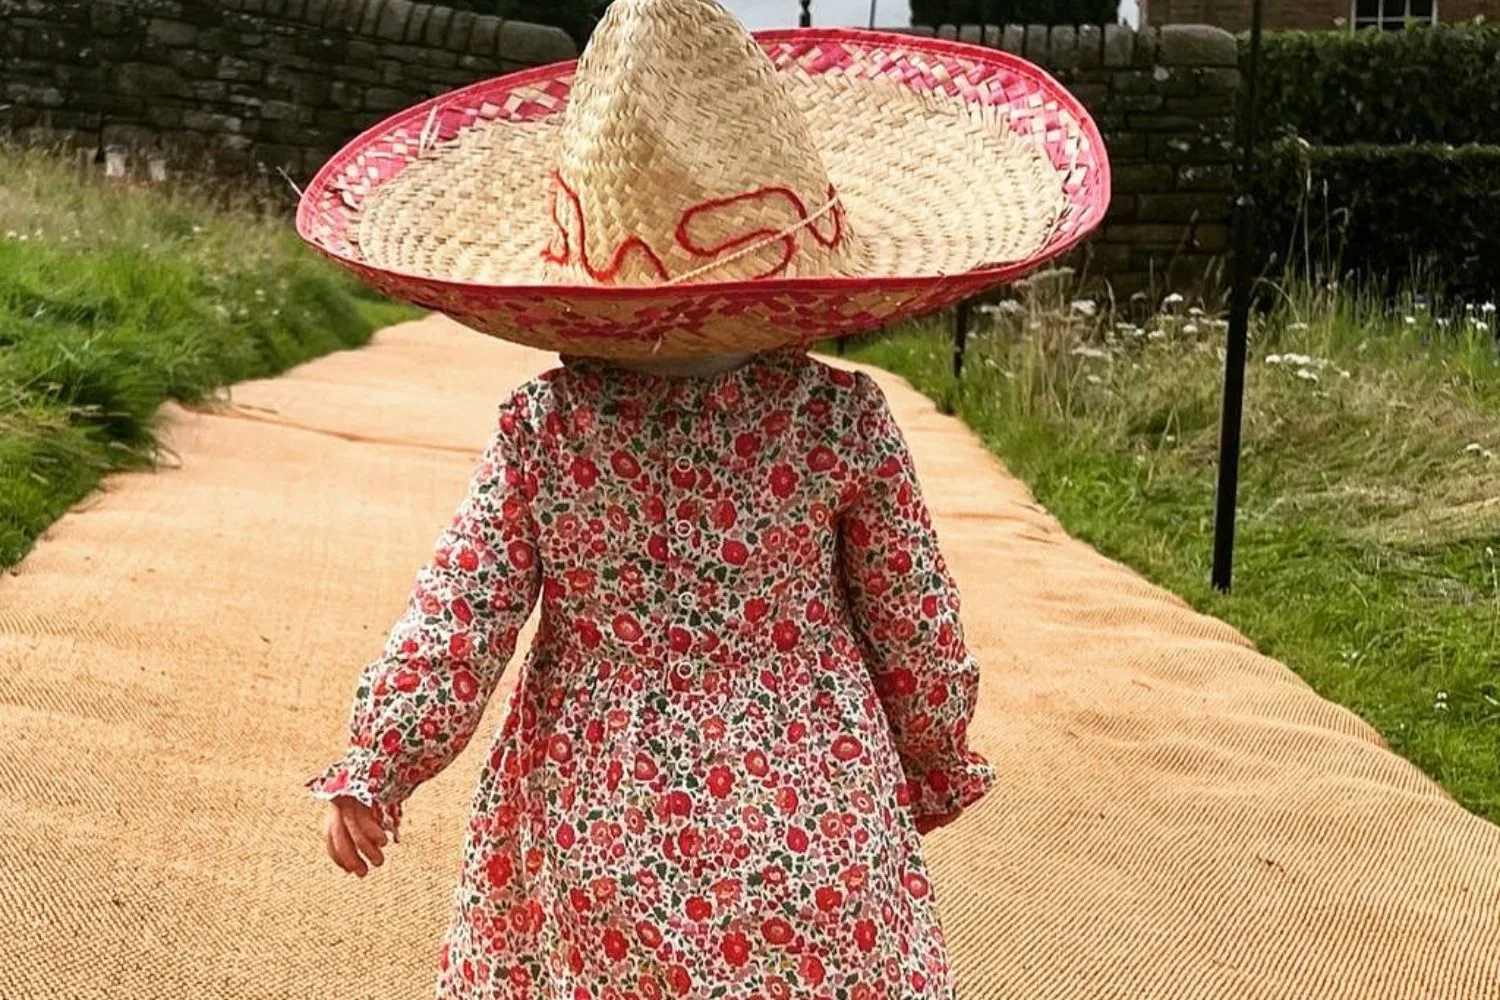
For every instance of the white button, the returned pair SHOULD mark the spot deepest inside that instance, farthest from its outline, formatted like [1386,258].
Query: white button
[684,464]
[685,600]
[684,529]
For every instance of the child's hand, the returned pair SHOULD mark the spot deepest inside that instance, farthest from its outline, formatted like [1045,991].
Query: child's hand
[352,834]
[926,824]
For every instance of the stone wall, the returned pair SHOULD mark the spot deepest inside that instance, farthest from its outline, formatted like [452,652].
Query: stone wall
[1166,100]
[241,85]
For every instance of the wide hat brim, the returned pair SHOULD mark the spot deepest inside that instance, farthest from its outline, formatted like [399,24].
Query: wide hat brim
[489,277]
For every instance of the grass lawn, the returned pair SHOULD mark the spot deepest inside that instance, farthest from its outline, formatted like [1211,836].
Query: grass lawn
[1369,546]
[114,299]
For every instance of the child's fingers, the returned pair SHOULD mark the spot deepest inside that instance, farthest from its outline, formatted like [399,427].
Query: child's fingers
[371,826]
[341,847]
[359,832]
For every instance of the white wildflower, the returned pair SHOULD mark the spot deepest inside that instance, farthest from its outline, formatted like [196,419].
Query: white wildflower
[1085,351]
[1094,380]
[1307,374]
[1481,327]
[1299,327]
[1411,320]
[1343,373]
[1197,313]
[1440,703]
[1156,335]
[1085,307]
[1442,323]
[1172,300]
[1488,308]
[1011,307]
[1191,329]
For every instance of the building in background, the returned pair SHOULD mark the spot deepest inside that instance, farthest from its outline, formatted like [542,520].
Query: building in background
[1314,15]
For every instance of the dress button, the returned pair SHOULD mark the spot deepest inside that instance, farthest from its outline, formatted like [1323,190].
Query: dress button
[685,600]
[684,529]
[684,464]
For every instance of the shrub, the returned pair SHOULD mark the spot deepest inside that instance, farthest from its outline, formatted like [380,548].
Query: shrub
[1422,85]
[1391,213]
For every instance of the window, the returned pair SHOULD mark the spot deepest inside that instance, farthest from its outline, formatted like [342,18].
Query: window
[1393,15]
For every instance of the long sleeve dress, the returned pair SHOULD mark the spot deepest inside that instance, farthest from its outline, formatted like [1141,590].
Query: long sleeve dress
[748,679]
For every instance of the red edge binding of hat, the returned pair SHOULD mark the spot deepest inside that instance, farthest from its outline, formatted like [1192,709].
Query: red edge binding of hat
[967,71]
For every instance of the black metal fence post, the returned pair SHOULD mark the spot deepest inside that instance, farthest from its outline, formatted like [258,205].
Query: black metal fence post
[805,21]
[1237,348]
[960,335]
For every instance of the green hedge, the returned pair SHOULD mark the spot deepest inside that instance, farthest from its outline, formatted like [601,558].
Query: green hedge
[1438,84]
[1426,213]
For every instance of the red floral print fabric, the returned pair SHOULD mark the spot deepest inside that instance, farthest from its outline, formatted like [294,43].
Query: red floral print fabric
[748,682]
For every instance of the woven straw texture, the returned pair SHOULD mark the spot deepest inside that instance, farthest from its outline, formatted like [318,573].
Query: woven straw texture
[677,116]
[1178,816]
[684,189]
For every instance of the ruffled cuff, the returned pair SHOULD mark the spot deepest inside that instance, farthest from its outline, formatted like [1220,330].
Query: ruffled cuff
[362,776]
[948,789]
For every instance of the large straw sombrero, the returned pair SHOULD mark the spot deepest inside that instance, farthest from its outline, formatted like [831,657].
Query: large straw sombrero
[685,188]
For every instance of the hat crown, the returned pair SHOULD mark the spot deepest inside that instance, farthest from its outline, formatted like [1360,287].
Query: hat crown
[683,158]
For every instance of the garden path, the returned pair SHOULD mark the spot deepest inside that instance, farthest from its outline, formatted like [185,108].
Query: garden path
[1177,816]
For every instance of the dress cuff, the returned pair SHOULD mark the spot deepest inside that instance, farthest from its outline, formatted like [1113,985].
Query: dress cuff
[361,776]
[949,789]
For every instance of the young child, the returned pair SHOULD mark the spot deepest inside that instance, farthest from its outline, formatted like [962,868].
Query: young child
[747,696]
[749,692]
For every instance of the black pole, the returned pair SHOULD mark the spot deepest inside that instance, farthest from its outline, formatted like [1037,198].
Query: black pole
[805,21]
[1239,327]
[874,4]
[960,336]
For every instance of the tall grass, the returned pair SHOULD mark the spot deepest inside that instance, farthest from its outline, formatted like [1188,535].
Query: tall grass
[114,299]
[1369,549]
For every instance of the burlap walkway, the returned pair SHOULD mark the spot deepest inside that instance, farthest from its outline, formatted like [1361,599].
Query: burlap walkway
[1179,817]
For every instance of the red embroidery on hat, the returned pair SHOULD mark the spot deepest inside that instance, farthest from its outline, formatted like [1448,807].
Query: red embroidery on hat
[789,241]
[561,250]
[616,261]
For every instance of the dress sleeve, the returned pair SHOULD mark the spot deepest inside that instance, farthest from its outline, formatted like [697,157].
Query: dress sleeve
[905,608]
[419,703]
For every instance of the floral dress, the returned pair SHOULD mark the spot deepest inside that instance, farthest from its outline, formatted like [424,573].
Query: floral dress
[748,679]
